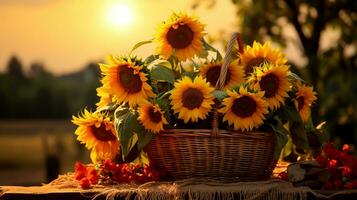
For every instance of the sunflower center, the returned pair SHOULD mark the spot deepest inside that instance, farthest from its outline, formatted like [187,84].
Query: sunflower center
[155,116]
[300,101]
[129,81]
[254,63]
[213,73]
[244,106]
[192,98]
[102,134]
[270,85]
[181,37]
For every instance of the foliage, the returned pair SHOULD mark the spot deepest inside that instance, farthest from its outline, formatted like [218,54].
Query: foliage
[331,65]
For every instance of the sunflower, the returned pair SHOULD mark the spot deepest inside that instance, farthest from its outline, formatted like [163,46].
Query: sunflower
[125,81]
[259,54]
[244,110]
[273,80]
[192,100]
[97,132]
[305,96]
[151,117]
[180,35]
[212,71]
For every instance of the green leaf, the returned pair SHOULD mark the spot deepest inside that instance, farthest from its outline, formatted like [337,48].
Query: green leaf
[290,113]
[281,137]
[208,47]
[151,59]
[143,139]
[120,111]
[109,108]
[126,125]
[192,75]
[162,73]
[299,135]
[218,56]
[296,77]
[139,44]
[203,54]
[220,94]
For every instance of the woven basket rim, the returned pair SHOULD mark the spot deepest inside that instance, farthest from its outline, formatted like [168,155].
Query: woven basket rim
[208,132]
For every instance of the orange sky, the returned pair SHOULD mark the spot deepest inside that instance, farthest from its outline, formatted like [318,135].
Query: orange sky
[66,34]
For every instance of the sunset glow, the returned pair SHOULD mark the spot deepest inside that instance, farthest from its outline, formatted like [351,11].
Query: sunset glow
[120,15]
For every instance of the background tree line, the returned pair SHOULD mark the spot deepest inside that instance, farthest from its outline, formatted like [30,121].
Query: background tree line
[38,93]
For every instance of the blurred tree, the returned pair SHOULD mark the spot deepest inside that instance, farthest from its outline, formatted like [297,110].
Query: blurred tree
[38,70]
[330,67]
[14,68]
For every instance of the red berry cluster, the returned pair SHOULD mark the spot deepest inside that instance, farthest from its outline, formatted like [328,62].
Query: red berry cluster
[283,176]
[86,175]
[126,173]
[341,165]
[110,172]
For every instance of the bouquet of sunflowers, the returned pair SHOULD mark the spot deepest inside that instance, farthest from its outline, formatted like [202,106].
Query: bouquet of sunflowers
[176,89]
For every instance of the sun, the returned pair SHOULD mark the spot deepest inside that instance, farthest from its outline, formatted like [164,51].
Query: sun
[120,15]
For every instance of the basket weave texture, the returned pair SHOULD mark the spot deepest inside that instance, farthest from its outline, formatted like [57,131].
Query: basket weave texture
[217,154]
[231,156]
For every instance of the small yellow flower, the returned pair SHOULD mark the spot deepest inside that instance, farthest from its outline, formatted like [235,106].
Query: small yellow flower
[151,117]
[192,100]
[305,96]
[96,131]
[259,54]
[244,110]
[181,35]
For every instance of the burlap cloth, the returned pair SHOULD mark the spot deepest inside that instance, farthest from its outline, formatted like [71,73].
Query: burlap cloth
[184,189]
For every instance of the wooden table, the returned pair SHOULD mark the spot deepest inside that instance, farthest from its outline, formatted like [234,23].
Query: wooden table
[186,189]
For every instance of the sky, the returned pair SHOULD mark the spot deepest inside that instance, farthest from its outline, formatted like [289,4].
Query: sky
[65,35]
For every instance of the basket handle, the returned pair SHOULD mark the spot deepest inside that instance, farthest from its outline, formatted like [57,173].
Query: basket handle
[235,37]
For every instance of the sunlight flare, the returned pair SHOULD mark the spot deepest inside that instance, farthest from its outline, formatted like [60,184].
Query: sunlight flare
[120,15]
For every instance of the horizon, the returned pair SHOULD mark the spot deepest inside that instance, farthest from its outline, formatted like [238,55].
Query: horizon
[66,35]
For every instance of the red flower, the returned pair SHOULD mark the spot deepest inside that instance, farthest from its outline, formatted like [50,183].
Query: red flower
[80,171]
[346,171]
[321,160]
[346,148]
[332,164]
[283,176]
[92,175]
[84,183]
[351,185]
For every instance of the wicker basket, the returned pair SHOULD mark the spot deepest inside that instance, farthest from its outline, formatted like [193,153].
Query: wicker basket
[216,154]
[232,156]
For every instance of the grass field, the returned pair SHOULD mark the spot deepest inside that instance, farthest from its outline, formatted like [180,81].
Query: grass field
[25,144]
